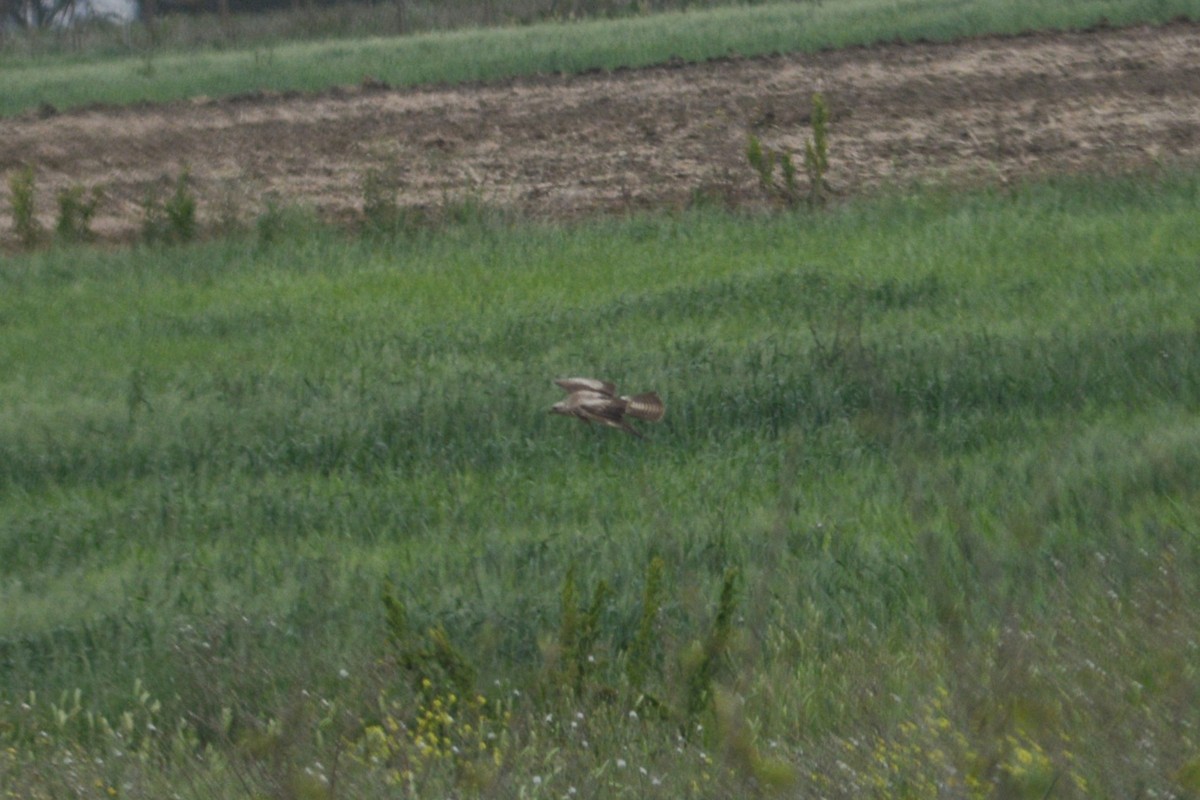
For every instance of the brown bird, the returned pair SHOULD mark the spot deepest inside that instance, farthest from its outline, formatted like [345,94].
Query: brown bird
[591,400]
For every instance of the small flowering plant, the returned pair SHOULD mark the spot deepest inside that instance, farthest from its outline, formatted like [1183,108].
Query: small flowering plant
[446,734]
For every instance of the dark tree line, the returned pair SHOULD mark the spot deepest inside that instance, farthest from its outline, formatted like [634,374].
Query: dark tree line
[32,14]
[37,13]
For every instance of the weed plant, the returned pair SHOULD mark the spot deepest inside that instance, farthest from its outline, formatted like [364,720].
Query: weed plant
[284,516]
[172,220]
[785,188]
[24,211]
[816,153]
[75,212]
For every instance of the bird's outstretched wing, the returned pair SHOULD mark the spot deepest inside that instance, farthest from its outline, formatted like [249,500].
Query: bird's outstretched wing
[610,411]
[587,385]
[598,406]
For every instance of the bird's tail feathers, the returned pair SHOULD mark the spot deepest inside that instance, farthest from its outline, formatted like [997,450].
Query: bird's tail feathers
[648,406]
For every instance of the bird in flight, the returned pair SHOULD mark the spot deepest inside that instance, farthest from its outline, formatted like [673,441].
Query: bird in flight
[592,400]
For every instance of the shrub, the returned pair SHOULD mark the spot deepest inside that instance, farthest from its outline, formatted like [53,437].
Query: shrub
[75,213]
[816,152]
[181,210]
[380,210]
[25,223]
[816,162]
[173,220]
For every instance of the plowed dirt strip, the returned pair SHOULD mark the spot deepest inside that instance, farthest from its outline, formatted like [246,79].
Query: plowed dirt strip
[990,109]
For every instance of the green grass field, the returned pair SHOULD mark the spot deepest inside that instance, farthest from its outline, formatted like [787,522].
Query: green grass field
[66,80]
[921,519]
[283,513]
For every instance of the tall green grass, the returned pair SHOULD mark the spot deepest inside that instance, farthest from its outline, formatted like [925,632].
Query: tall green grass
[939,451]
[153,75]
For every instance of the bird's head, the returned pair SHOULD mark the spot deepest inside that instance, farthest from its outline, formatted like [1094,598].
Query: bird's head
[560,408]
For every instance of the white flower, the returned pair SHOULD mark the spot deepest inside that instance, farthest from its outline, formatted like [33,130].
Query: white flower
[621,763]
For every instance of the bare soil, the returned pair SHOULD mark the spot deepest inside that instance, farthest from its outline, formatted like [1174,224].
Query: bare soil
[982,110]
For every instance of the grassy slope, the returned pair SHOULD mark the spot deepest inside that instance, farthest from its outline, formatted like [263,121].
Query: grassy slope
[911,425]
[471,55]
